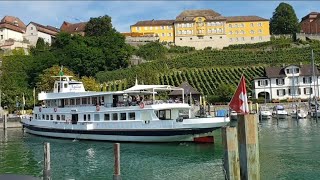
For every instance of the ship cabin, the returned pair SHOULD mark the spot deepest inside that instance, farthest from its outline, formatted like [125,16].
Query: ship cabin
[70,101]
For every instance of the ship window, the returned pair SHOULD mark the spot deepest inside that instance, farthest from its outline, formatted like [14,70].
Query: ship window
[65,85]
[89,118]
[84,117]
[51,117]
[94,100]
[58,117]
[115,116]
[66,102]
[132,116]
[72,102]
[47,117]
[96,117]
[78,101]
[84,100]
[63,117]
[43,116]
[106,117]
[88,100]
[165,114]
[123,116]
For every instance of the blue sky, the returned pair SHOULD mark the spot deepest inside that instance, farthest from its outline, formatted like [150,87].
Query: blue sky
[126,13]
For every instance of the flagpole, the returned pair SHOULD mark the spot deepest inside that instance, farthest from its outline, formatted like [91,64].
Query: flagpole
[34,97]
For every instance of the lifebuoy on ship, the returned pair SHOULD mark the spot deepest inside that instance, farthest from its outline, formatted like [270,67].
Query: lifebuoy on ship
[39,109]
[141,105]
[55,109]
[98,108]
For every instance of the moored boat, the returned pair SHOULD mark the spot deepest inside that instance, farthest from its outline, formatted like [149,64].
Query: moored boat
[299,114]
[279,112]
[264,113]
[131,115]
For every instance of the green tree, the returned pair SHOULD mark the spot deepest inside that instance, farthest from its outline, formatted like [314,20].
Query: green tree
[14,81]
[40,47]
[18,52]
[224,92]
[46,81]
[90,83]
[152,51]
[99,26]
[284,20]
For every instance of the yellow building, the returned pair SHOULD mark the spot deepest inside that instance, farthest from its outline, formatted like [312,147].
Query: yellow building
[158,28]
[207,28]
[200,29]
[247,29]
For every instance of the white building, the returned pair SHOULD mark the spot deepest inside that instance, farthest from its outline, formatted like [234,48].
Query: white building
[11,28]
[35,31]
[291,82]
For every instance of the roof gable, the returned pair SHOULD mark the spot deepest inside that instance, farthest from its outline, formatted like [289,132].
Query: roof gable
[187,89]
[208,14]
[45,29]
[73,28]
[13,21]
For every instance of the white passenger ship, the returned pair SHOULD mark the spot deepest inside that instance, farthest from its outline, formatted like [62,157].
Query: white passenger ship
[72,112]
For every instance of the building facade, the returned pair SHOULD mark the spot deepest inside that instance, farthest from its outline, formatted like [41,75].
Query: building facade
[34,31]
[73,28]
[291,82]
[11,28]
[163,29]
[207,28]
[310,24]
[247,29]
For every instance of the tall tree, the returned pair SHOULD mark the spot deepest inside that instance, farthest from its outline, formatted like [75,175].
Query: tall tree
[284,20]
[99,26]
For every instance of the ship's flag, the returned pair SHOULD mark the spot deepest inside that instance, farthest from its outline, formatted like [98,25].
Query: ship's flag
[239,101]
[61,72]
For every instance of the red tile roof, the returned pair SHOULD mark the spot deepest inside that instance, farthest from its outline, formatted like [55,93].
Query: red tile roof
[154,23]
[11,27]
[245,18]
[14,21]
[73,28]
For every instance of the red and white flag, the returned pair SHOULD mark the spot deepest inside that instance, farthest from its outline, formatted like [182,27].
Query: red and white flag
[239,101]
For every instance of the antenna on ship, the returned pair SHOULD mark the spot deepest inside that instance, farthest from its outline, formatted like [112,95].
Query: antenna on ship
[136,80]
[60,74]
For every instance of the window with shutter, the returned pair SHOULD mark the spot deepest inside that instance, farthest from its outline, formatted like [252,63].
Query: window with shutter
[277,92]
[304,80]
[289,90]
[277,81]
[304,90]
[259,83]
[311,91]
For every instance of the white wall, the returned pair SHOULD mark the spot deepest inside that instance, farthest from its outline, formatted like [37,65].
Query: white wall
[214,41]
[32,34]
[272,88]
[10,34]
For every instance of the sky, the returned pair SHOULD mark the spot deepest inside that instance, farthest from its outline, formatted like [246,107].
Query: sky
[126,13]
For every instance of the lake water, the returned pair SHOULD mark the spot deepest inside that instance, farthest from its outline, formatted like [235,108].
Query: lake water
[289,149]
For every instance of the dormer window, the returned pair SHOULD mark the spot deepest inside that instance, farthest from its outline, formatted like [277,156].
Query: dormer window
[293,70]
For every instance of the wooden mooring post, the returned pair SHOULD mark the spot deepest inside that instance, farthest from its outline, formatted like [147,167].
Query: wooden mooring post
[46,162]
[248,147]
[116,149]
[5,120]
[231,155]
